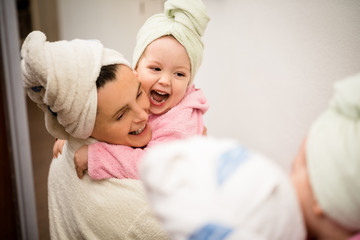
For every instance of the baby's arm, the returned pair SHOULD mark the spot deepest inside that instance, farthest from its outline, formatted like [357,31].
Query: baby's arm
[119,161]
[108,161]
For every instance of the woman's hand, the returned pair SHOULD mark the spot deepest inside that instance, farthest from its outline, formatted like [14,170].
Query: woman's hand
[58,147]
[81,161]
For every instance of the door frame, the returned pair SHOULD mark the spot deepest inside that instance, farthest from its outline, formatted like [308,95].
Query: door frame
[16,118]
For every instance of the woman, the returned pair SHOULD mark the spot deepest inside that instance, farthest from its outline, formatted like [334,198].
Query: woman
[88,93]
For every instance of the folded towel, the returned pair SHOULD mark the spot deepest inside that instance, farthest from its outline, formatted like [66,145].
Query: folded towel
[206,188]
[61,78]
[185,20]
[333,155]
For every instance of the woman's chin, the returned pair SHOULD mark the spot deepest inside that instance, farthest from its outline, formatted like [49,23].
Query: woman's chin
[143,138]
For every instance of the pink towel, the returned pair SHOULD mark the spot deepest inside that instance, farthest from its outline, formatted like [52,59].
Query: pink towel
[355,237]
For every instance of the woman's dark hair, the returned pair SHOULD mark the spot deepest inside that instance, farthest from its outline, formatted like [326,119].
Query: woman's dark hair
[107,74]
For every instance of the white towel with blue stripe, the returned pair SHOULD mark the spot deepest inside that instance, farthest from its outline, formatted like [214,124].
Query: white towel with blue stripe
[206,188]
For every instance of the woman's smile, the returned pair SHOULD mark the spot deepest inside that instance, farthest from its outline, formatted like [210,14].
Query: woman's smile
[139,131]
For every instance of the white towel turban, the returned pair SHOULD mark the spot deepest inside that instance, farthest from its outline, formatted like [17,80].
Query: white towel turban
[206,188]
[185,20]
[333,155]
[61,78]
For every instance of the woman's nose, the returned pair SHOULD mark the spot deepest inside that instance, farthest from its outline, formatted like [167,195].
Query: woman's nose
[142,110]
[141,115]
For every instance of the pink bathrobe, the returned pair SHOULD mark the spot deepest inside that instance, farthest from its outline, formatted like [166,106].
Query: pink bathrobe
[183,120]
[355,237]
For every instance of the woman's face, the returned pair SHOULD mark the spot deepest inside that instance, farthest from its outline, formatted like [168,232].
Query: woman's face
[318,225]
[122,111]
[300,180]
[164,70]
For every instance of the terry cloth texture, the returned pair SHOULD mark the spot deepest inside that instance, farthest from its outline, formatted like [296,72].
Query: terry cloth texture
[87,209]
[186,20]
[333,155]
[61,78]
[206,188]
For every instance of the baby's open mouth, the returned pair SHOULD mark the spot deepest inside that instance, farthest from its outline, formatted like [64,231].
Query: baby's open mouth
[159,97]
[140,130]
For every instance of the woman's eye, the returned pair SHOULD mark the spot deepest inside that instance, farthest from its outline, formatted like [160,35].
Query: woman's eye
[120,116]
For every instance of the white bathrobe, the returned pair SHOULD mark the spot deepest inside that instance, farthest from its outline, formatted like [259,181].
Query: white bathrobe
[86,209]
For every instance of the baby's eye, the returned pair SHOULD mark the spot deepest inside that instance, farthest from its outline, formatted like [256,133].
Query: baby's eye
[139,94]
[180,74]
[156,69]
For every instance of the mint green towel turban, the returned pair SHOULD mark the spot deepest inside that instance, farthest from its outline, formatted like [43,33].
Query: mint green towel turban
[333,155]
[185,20]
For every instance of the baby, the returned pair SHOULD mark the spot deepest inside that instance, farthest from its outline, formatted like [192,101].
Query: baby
[166,57]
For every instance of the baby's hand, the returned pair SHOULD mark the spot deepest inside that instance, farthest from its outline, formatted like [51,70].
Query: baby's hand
[204,131]
[81,161]
[58,147]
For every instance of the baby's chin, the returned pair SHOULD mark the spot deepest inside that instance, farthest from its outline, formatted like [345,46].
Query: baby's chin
[158,111]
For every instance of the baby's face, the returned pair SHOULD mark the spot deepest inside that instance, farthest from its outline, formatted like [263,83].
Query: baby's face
[165,72]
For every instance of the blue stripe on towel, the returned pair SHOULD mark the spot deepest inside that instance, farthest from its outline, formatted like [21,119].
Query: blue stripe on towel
[229,161]
[211,231]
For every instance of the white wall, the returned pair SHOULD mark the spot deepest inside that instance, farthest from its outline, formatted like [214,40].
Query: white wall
[268,65]
[114,22]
